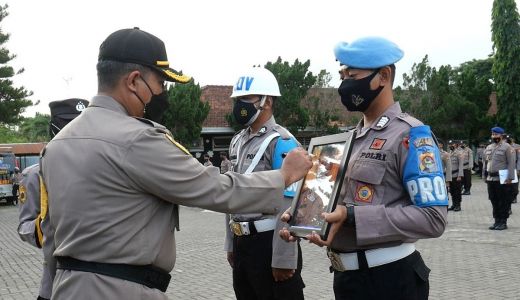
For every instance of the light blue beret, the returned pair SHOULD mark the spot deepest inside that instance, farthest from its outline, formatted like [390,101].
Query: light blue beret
[368,53]
[498,130]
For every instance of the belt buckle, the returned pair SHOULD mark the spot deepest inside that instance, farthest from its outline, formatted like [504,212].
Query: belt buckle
[236,228]
[335,261]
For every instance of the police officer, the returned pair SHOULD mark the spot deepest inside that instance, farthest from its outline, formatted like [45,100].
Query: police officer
[468,165]
[446,164]
[264,266]
[33,226]
[499,156]
[479,156]
[457,175]
[225,163]
[389,200]
[115,213]
[511,141]
[15,181]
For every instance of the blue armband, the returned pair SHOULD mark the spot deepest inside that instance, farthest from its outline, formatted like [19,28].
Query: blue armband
[282,147]
[422,175]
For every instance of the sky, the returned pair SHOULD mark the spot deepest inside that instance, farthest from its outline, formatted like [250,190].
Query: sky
[57,41]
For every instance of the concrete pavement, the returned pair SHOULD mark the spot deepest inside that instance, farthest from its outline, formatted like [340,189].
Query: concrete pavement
[468,261]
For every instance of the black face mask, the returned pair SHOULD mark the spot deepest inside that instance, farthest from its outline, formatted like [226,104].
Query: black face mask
[496,140]
[356,95]
[158,104]
[245,113]
[463,147]
[452,148]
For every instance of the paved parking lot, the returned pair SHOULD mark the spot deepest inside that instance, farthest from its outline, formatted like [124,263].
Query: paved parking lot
[468,261]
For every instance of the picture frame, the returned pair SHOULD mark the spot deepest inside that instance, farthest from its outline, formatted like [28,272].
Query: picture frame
[319,190]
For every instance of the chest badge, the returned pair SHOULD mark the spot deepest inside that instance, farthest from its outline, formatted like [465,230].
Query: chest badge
[377,144]
[382,122]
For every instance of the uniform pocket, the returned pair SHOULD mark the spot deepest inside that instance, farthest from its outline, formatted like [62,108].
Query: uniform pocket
[367,176]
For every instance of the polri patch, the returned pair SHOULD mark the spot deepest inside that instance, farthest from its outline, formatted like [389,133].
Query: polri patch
[364,193]
[377,144]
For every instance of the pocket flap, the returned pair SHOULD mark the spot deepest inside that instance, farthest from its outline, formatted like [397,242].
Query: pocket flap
[368,171]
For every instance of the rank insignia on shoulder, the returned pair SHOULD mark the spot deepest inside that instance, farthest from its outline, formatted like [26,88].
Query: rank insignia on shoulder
[377,144]
[262,130]
[181,147]
[382,121]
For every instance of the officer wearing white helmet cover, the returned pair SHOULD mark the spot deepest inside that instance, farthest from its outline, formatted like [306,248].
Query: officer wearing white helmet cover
[264,266]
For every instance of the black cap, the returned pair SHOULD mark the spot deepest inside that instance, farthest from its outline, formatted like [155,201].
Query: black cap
[142,48]
[68,109]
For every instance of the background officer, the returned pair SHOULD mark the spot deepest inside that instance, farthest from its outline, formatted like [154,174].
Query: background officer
[446,163]
[114,180]
[511,141]
[225,163]
[498,156]
[264,266]
[457,175]
[383,209]
[468,165]
[34,227]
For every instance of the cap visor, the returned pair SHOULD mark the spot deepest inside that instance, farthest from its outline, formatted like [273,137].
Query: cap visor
[172,75]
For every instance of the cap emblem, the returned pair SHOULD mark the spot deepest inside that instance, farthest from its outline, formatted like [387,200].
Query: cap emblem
[80,106]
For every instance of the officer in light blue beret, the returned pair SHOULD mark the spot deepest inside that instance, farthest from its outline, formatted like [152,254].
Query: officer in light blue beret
[394,191]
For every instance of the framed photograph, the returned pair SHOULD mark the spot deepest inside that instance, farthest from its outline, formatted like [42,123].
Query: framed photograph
[319,190]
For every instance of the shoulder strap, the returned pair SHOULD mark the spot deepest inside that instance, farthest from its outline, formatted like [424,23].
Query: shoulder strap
[260,152]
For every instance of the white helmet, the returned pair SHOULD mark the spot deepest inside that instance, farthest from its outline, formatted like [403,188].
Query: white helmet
[256,81]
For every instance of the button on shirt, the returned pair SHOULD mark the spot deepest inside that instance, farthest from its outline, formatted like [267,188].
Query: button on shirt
[374,184]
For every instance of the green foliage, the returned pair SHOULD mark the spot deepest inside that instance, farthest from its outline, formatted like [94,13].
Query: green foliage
[294,81]
[9,135]
[186,113]
[13,101]
[36,129]
[505,29]
[454,102]
[320,117]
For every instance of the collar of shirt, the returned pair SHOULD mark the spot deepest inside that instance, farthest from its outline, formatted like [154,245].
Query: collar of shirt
[382,121]
[267,125]
[108,103]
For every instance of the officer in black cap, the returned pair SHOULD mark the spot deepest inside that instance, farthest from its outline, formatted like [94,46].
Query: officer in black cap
[116,214]
[34,227]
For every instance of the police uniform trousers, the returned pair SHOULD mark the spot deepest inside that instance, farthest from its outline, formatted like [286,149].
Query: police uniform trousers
[252,272]
[456,191]
[501,196]
[467,180]
[405,279]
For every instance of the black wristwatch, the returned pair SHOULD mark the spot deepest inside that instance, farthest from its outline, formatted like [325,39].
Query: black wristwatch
[351,217]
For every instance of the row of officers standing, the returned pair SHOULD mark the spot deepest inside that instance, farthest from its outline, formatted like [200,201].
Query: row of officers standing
[497,164]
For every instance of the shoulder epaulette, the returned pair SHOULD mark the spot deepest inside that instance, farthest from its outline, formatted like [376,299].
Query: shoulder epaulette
[409,119]
[284,133]
[146,121]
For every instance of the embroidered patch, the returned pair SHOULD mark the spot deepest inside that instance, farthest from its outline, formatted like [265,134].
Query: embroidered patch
[22,194]
[372,155]
[427,162]
[377,144]
[364,193]
[426,141]
[181,147]
[382,122]
[406,142]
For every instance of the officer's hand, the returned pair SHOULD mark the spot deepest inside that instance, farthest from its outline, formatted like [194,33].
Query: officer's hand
[230,259]
[282,274]
[508,181]
[295,165]
[459,178]
[336,218]
[284,233]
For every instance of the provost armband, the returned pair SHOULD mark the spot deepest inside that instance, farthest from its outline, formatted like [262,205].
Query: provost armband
[282,147]
[423,175]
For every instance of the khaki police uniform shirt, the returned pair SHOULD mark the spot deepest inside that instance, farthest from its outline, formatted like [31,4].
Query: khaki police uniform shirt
[446,164]
[498,156]
[225,166]
[516,147]
[457,163]
[384,213]
[112,182]
[29,212]
[285,255]
[468,157]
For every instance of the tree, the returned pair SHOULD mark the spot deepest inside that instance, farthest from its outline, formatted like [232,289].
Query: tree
[321,116]
[294,81]
[505,29]
[13,101]
[186,112]
[36,129]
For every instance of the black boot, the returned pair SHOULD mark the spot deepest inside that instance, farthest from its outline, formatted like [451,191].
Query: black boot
[492,227]
[451,207]
[457,208]
[502,225]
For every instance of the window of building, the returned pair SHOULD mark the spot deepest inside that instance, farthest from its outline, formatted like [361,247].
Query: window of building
[221,143]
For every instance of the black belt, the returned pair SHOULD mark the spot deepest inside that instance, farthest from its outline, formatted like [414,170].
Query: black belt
[148,275]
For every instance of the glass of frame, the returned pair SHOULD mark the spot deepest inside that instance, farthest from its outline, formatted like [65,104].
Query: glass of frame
[319,190]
